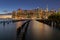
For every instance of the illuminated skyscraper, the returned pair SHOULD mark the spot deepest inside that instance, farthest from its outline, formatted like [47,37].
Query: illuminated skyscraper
[47,9]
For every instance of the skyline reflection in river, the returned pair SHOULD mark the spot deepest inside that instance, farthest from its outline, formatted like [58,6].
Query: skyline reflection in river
[41,31]
[19,24]
[36,31]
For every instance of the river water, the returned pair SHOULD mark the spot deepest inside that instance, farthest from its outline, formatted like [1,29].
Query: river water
[36,31]
[41,31]
[8,31]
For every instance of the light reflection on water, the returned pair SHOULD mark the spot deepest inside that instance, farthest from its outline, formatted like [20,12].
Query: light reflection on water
[7,32]
[36,31]
[19,24]
[40,31]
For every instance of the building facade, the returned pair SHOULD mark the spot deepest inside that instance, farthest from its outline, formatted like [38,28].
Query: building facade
[34,13]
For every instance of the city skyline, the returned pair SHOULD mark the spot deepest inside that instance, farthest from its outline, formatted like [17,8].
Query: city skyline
[10,5]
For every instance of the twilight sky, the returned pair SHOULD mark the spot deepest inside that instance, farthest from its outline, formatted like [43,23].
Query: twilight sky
[11,5]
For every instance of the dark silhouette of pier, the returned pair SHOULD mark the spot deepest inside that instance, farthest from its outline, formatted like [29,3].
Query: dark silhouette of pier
[10,21]
[22,31]
[53,23]
[24,28]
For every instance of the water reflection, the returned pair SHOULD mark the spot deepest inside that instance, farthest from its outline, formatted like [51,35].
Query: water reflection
[19,24]
[4,24]
[7,31]
[36,31]
[40,31]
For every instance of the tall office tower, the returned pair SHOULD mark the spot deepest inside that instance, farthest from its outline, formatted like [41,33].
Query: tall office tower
[47,12]
[47,9]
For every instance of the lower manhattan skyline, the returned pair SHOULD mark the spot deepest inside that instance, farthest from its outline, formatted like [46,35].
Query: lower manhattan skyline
[29,19]
[10,5]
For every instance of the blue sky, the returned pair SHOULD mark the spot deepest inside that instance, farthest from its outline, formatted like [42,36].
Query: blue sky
[11,5]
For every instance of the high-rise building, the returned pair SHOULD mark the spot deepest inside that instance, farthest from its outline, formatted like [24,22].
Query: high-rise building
[34,13]
[47,8]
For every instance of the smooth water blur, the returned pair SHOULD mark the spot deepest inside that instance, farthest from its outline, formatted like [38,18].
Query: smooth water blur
[41,31]
[8,31]
[36,31]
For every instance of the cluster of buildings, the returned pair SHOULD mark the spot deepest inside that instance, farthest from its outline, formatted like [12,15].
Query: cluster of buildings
[32,14]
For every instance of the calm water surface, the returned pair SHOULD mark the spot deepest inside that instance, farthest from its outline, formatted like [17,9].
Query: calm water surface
[36,31]
[40,31]
[8,31]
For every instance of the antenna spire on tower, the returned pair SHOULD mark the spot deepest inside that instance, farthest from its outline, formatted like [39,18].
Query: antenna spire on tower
[47,8]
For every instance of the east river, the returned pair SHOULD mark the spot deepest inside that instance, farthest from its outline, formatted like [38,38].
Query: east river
[36,31]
